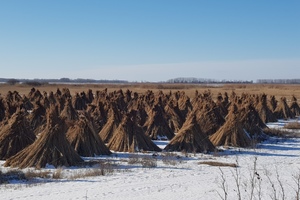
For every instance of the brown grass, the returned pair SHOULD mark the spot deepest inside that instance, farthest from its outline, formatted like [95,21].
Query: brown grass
[31,174]
[88,173]
[292,125]
[274,132]
[105,167]
[170,158]
[58,173]
[134,159]
[149,162]
[218,164]
[16,174]
[278,90]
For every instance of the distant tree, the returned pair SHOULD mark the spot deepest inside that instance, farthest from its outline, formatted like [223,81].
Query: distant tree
[65,80]
[33,83]
[12,81]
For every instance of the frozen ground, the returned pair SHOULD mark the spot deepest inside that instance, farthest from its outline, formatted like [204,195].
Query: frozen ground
[273,175]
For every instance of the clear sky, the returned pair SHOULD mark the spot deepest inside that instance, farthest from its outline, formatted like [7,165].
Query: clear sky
[150,40]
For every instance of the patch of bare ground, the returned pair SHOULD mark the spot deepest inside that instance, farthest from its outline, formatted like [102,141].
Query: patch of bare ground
[292,125]
[218,164]
[275,132]
[32,174]
[145,161]
[171,158]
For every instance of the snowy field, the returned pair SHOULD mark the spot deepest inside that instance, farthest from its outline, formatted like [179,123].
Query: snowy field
[269,171]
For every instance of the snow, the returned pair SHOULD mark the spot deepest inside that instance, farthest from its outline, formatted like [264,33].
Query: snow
[277,164]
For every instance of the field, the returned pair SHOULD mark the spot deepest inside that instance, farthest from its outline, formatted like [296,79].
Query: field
[278,91]
[266,170]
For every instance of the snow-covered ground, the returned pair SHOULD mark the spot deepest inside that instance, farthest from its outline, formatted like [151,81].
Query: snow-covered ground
[273,168]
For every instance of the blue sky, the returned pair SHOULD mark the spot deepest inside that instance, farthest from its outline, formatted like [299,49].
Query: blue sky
[150,40]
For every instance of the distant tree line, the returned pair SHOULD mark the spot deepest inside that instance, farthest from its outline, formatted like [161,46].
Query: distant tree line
[204,81]
[37,82]
[191,80]
[278,81]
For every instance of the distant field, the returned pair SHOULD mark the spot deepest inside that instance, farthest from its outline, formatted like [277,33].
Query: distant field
[278,90]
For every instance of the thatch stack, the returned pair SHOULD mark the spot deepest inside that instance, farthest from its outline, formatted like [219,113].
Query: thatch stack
[295,108]
[35,95]
[156,126]
[132,102]
[272,103]
[148,100]
[79,101]
[232,132]
[89,96]
[209,118]
[85,140]
[142,115]
[113,121]
[13,103]
[51,148]
[264,111]
[283,111]
[174,116]
[15,135]
[190,138]
[46,101]
[98,114]
[69,111]
[184,103]
[26,103]
[37,118]
[252,123]
[52,98]
[61,98]
[226,101]
[221,104]
[2,109]
[100,96]
[13,97]
[128,96]
[129,137]
[119,99]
